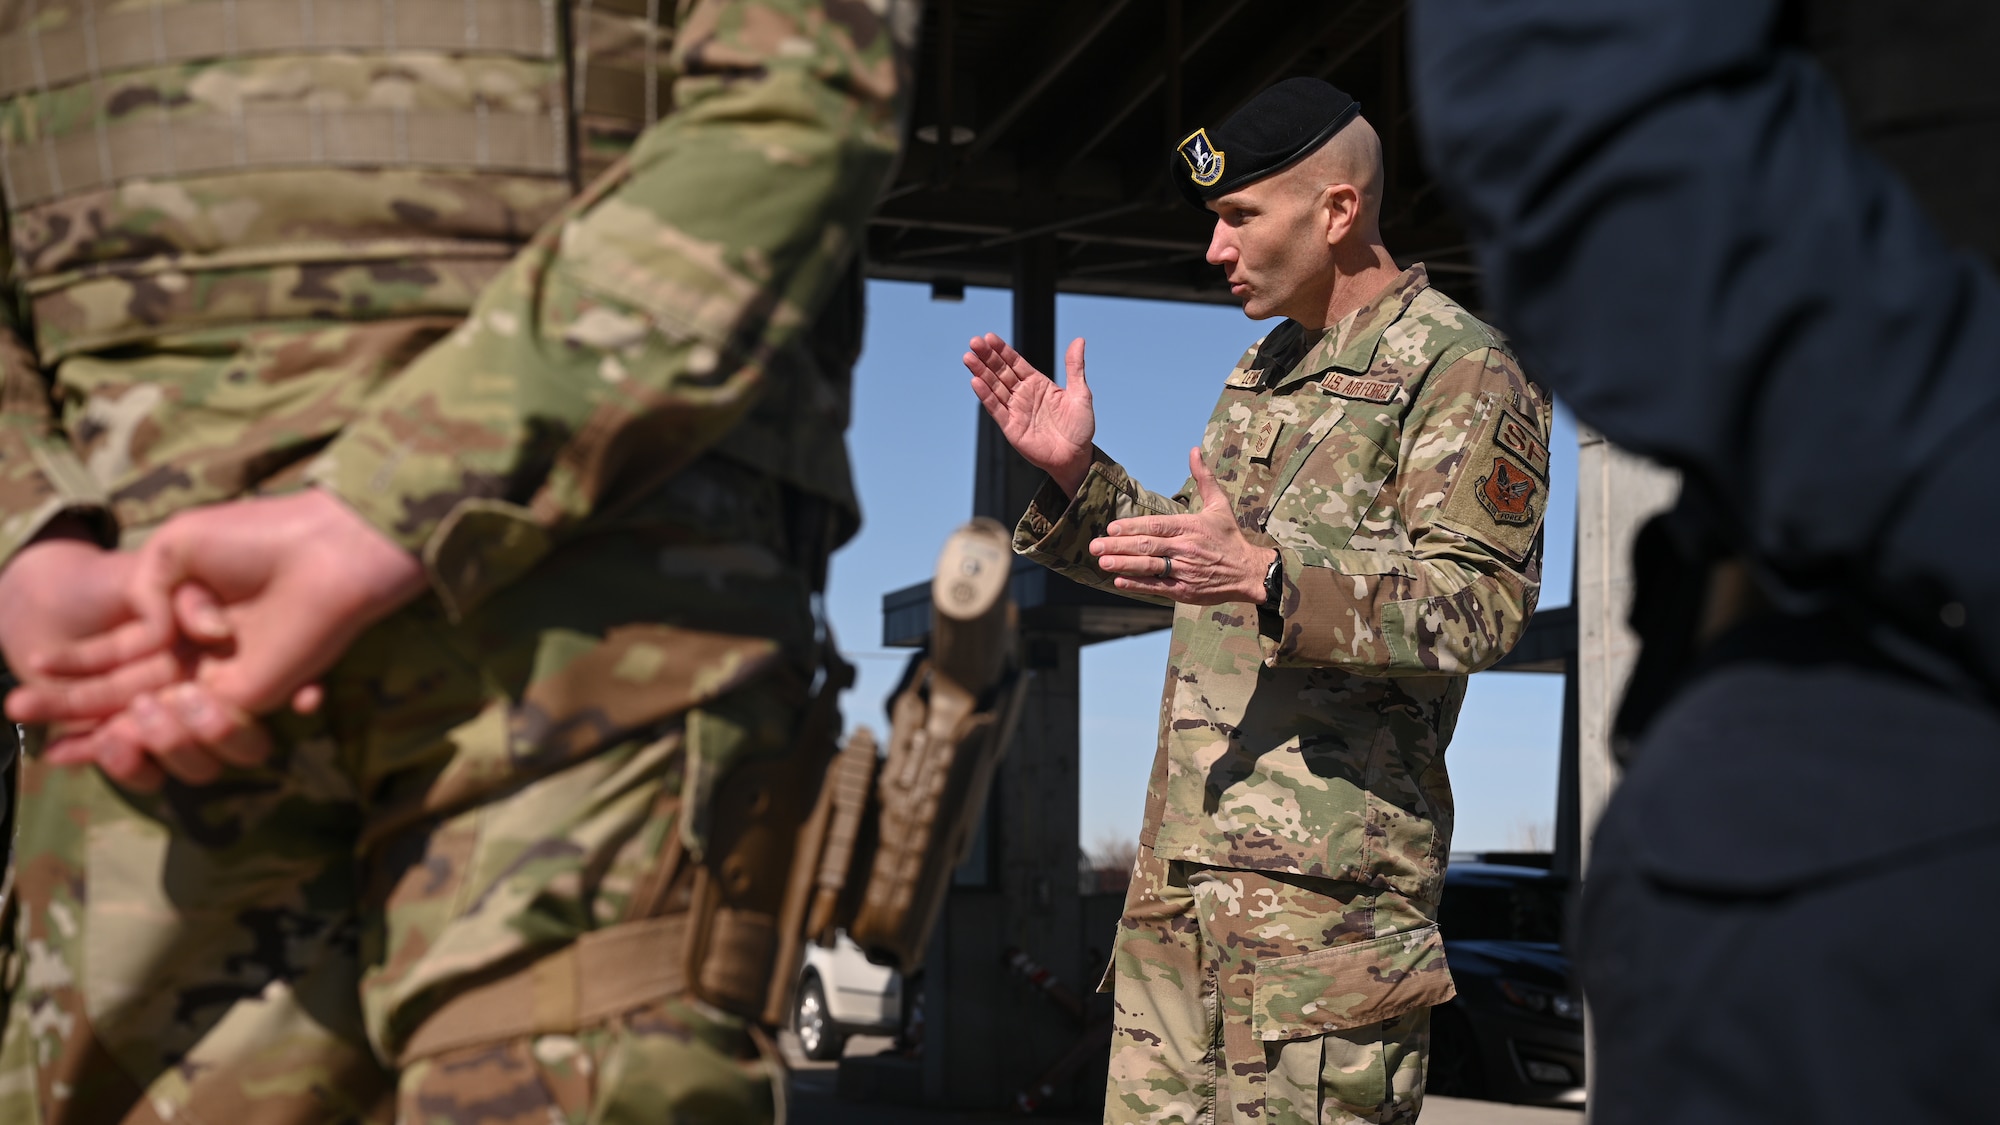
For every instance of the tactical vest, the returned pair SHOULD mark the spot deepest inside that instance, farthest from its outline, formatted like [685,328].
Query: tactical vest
[202,164]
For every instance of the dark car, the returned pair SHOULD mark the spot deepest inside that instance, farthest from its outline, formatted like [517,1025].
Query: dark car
[1515,1031]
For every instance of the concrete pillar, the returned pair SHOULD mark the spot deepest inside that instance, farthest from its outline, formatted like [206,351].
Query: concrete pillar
[1616,493]
[989,1034]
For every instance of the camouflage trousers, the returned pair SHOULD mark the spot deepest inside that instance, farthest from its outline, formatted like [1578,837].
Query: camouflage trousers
[1246,996]
[472,797]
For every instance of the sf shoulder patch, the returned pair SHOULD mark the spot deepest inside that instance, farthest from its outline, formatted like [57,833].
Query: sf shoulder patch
[1204,160]
[1502,486]
[1518,437]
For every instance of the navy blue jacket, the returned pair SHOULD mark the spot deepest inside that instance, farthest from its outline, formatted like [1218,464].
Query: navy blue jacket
[1686,244]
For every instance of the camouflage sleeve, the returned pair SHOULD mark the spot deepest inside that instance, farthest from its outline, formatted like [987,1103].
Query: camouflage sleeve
[1468,494]
[40,476]
[634,330]
[1056,532]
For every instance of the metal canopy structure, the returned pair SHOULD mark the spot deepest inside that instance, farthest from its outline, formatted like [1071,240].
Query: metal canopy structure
[1058,118]
[1038,160]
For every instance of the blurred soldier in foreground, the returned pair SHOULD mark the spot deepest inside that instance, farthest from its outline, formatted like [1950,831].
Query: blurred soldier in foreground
[1361,532]
[1681,234]
[545,483]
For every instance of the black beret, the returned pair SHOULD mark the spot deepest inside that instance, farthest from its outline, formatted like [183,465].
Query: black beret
[1273,131]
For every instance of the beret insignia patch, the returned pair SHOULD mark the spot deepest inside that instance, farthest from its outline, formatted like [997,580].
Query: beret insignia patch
[1204,160]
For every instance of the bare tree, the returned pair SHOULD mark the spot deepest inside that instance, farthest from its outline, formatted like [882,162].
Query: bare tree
[1109,863]
[1532,836]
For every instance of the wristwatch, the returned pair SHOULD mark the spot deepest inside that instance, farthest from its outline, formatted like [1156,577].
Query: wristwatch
[1274,581]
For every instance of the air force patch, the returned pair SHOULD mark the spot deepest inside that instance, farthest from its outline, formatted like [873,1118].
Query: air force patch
[1204,160]
[1505,494]
[1500,490]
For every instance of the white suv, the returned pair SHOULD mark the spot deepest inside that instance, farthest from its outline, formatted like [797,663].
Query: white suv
[842,993]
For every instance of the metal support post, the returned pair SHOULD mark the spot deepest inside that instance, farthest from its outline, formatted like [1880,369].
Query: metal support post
[988,1035]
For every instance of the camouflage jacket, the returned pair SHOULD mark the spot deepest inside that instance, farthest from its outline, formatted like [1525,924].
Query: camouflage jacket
[1399,464]
[252,245]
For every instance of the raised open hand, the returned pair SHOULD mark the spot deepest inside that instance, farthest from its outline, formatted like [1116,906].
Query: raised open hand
[1051,426]
[1202,558]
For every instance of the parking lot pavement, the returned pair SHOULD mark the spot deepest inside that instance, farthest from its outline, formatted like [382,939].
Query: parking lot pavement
[814,1102]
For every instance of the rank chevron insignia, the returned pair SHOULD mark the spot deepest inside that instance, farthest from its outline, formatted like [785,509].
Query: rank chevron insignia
[1203,158]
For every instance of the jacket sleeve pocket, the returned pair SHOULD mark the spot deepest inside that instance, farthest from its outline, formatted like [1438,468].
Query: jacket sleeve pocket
[1349,986]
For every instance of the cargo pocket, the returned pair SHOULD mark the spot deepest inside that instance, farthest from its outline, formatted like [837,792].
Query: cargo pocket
[1299,1002]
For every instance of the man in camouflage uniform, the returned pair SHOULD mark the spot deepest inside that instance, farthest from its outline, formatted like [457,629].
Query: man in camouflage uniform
[1360,533]
[575,459]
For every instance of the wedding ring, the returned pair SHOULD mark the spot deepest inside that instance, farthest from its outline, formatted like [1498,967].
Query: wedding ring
[1167,568]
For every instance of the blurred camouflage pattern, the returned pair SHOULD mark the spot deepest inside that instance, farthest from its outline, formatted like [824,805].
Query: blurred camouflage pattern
[350,259]
[640,327]
[1308,739]
[1317,992]
[473,795]
[254,245]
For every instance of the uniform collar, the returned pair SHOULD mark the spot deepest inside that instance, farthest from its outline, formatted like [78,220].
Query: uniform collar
[1350,345]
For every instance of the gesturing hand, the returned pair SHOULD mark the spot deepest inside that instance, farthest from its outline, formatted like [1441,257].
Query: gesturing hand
[1051,426]
[1201,558]
[293,579]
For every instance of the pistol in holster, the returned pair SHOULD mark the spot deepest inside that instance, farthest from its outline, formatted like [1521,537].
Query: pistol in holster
[873,851]
[951,721]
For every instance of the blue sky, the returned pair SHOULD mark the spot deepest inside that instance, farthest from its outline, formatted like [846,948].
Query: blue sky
[1156,369]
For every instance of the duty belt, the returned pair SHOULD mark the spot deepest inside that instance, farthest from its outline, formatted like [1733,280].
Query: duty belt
[602,974]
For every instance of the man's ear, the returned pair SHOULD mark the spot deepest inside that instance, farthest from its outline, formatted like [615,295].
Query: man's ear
[1343,210]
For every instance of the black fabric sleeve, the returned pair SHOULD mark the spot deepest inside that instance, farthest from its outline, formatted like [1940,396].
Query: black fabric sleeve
[1687,245]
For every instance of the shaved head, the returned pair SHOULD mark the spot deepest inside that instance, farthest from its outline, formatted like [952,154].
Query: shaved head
[1352,156]
[1307,242]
